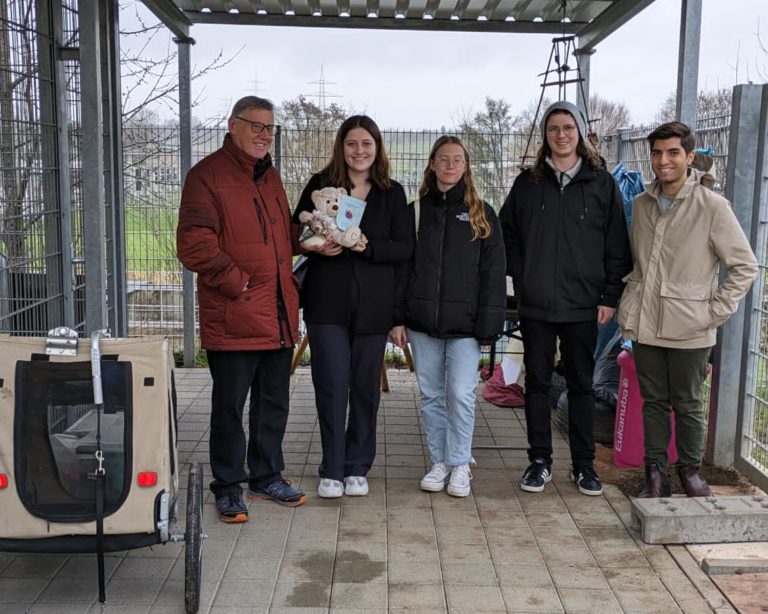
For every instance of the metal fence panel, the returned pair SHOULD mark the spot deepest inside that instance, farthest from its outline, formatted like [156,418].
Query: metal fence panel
[31,250]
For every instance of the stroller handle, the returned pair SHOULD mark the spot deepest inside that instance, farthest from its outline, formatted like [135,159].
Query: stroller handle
[98,395]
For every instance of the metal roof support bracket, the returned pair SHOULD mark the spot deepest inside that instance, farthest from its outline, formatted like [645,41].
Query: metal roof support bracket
[688,62]
[94,218]
[185,142]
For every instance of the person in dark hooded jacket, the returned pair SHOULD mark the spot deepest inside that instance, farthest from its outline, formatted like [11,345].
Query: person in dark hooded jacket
[454,302]
[567,252]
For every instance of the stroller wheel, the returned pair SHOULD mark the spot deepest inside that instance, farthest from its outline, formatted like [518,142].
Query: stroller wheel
[193,538]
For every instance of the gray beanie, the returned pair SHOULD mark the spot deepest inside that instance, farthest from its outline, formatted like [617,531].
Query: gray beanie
[564,105]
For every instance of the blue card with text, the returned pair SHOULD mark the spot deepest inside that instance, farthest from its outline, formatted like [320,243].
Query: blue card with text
[350,212]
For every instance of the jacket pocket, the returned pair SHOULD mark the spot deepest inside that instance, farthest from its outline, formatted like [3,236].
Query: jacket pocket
[247,315]
[629,307]
[683,310]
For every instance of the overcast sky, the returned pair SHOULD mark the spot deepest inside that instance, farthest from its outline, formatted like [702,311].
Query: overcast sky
[424,80]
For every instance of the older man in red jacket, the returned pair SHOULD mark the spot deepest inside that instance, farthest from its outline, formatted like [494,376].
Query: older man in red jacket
[234,231]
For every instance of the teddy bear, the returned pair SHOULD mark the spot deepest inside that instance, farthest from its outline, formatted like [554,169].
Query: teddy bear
[320,225]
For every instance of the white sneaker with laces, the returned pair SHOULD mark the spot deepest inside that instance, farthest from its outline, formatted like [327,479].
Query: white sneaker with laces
[437,478]
[355,486]
[330,489]
[458,486]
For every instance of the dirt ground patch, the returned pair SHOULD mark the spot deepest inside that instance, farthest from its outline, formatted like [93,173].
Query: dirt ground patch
[724,482]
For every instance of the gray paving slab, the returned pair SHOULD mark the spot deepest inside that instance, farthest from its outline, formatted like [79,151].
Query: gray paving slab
[701,520]
[398,549]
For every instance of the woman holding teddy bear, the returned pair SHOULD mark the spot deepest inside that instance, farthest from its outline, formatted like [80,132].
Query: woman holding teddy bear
[349,303]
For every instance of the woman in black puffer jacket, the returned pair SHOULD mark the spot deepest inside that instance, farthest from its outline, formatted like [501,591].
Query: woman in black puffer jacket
[452,304]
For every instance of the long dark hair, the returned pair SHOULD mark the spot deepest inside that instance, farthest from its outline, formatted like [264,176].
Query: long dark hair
[480,226]
[584,149]
[336,169]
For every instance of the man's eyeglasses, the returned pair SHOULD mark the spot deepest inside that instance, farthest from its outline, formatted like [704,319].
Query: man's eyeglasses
[447,160]
[258,127]
[567,129]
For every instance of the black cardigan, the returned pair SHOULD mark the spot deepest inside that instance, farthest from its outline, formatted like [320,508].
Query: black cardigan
[567,249]
[456,286]
[357,289]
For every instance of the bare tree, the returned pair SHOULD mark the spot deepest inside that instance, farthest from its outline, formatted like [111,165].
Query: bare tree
[490,139]
[19,139]
[306,141]
[150,82]
[529,118]
[607,116]
[709,103]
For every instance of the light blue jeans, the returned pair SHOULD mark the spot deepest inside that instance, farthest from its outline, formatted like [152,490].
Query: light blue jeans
[446,370]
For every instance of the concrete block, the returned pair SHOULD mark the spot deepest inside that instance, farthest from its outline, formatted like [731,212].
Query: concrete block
[715,567]
[701,520]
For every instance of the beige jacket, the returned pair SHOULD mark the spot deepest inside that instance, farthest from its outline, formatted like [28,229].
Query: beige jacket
[672,298]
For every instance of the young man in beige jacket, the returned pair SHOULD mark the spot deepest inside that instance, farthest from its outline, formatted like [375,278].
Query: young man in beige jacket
[682,233]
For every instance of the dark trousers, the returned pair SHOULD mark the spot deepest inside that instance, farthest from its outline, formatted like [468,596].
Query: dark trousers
[670,380]
[577,346]
[266,374]
[346,369]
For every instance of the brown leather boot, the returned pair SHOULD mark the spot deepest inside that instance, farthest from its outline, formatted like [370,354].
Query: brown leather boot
[693,484]
[656,484]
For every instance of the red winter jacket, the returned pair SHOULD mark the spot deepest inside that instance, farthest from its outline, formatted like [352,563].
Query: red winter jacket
[235,233]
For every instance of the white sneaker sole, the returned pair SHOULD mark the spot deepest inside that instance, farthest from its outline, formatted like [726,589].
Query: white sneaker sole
[459,492]
[355,492]
[330,495]
[590,493]
[432,486]
[536,488]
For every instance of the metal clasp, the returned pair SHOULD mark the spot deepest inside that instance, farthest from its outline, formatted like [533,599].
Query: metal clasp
[61,341]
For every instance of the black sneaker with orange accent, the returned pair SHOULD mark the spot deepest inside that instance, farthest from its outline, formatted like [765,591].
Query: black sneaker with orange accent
[281,492]
[231,507]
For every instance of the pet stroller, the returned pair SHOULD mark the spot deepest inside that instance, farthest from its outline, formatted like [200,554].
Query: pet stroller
[88,457]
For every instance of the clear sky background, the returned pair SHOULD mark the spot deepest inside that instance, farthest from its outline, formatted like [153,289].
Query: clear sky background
[426,80]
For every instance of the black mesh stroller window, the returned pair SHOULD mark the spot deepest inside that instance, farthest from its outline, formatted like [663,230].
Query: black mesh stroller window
[55,438]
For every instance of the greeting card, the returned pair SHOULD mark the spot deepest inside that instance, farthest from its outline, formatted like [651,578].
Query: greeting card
[350,212]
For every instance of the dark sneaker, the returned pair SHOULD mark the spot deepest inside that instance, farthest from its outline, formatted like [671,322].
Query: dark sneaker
[281,492]
[539,472]
[231,507]
[587,481]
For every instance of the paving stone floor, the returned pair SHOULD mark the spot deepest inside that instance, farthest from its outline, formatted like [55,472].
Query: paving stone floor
[396,550]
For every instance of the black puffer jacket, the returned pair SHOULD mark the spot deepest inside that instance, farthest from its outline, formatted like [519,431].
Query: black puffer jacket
[567,250]
[456,286]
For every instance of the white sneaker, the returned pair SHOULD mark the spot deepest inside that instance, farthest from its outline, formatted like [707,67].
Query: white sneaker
[437,478]
[330,489]
[458,486]
[355,486]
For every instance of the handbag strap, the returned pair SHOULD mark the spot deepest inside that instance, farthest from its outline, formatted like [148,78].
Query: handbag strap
[416,212]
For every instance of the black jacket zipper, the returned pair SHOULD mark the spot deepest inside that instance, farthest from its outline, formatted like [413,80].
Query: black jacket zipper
[443,224]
